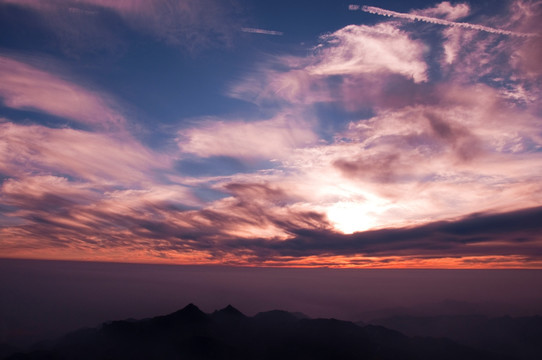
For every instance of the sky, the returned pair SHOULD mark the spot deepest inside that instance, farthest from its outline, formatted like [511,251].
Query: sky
[391,134]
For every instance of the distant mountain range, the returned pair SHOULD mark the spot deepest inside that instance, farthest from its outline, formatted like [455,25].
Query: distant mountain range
[519,338]
[228,334]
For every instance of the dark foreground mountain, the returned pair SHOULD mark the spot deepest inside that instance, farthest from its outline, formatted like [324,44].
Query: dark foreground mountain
[228,334]
[520,338]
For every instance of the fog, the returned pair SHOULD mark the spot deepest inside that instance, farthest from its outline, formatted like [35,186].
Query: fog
[44,299]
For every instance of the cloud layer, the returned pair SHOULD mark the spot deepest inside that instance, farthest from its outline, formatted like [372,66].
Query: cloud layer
[380,146]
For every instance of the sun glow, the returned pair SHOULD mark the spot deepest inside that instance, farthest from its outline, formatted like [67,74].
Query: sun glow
[349,217]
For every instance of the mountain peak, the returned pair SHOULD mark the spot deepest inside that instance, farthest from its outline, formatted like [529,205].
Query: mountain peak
[191,308]
[191,313]
[232,311]
[228,314]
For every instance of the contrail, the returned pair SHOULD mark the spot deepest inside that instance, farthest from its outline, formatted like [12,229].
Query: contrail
[261,31]
[432,20]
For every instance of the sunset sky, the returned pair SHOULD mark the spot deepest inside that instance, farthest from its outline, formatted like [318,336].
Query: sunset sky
[402,134]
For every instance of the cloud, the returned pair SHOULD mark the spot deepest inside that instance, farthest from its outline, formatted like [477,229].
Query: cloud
[271,86]
[505,63]
[65,217]
[416,17]
[282,217]
[261,31]
[93,157]
[510,236]
[381,66]
[255,226]
[425,162]
[527,15]
[23,86]
[45,194]
[267,139]
[375,160]
[371,56]
[409,165]
[358,49]
[455,40]
[445,10]
[431,150]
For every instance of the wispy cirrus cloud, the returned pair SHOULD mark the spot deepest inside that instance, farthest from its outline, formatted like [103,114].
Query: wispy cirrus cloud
[370,54]
[506,63]
[267,139]
[358,49]
[57,215]
[23,86]
[526,15]
[261,31]
[94,157]
[445,10]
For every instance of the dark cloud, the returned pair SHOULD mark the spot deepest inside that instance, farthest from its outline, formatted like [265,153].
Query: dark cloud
[52,221]
[253,191]
[393,158]
[380,168]
[492,234]
[465,145]
[386,91]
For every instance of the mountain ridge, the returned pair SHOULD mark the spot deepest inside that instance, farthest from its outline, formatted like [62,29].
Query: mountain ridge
[189,333]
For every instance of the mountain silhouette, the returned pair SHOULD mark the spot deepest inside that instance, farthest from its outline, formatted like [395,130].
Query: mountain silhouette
[229,334]
[276,317]
[519,338]
[190,313]
[228,315]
